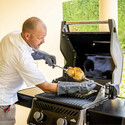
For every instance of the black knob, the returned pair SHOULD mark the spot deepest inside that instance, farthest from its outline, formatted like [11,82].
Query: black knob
[62,121]
[39,116]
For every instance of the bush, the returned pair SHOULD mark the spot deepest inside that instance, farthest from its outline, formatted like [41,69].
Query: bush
[81,10]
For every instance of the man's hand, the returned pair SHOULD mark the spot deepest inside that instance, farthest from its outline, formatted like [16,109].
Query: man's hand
[50,60]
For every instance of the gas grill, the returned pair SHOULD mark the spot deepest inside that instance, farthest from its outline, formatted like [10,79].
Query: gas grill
[99,55]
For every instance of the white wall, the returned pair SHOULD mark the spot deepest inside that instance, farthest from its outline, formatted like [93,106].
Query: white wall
[14,12]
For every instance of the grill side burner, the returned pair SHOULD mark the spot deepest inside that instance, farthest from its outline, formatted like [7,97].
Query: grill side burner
[99,55]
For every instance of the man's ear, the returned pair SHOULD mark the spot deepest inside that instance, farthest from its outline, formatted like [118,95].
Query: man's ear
[27,36]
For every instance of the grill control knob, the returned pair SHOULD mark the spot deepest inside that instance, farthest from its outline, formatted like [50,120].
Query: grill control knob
[39,116]
[62,121]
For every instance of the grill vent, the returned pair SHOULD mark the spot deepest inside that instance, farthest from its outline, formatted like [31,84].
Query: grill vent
[57,109]
[44,106]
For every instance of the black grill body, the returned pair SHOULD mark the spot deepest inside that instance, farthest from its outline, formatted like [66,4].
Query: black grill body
[111,112]
[72,109]
[53,112]
[99,55]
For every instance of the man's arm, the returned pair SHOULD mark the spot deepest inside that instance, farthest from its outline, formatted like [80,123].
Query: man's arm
[48,87]
[64,88]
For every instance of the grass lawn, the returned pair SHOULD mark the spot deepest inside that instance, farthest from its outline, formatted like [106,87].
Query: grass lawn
[122,85]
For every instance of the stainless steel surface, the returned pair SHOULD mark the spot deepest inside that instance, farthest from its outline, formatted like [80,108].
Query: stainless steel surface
[87,22]
[94,82]
[30,91]
[60,67]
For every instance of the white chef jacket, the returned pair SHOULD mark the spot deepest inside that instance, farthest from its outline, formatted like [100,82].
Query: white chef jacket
[16,65]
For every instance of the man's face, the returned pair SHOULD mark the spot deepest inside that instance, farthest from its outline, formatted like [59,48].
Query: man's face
[37,37]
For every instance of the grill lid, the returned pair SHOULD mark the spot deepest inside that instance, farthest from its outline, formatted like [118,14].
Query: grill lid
[94,52]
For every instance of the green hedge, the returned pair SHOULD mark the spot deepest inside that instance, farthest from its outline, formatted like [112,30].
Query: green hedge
[79,10]
[121,23]
[122,86]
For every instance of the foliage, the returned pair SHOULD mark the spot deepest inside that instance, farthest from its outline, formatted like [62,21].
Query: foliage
[122,86]
[81,10]
[121,23]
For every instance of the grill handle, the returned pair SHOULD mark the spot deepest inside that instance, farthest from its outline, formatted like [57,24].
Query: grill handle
[87,22]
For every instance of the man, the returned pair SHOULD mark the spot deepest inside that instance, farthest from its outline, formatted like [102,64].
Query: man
[17,51]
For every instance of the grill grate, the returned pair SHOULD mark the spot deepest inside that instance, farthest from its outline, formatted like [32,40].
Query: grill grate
[76,101]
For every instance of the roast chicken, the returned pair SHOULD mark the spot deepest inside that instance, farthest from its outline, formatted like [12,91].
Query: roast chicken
[76,73]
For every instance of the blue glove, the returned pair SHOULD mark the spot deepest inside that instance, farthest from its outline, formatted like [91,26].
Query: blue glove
[50,59]
[84,87]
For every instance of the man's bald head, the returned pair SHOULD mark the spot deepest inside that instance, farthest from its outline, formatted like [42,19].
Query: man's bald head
[31,24]
[34,32]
